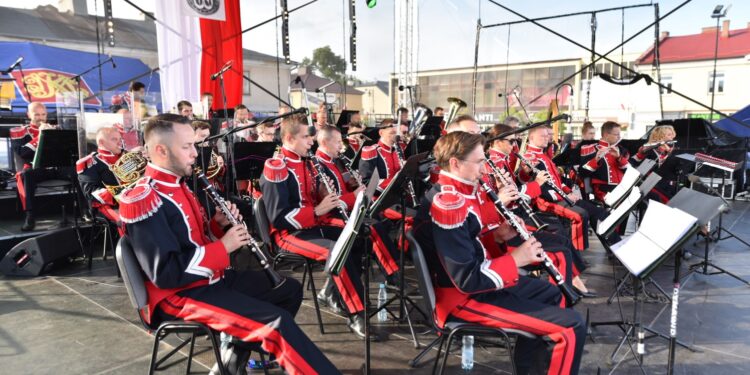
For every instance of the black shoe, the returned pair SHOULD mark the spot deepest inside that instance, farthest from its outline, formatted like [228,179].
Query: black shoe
[394,280]
[327,297]
[29,223]
[589,294]
[357,326]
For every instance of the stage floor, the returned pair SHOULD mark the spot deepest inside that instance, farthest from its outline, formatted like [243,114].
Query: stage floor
[80,321]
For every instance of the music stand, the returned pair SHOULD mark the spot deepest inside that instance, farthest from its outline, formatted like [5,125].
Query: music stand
[640,268]
[249,160]
[344,118]
[57,148]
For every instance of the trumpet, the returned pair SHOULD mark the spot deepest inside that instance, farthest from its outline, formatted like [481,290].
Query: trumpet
[327,183]
[570,295]
[455,105]
[498,173]
[255,246]
[549,183]
[128,169]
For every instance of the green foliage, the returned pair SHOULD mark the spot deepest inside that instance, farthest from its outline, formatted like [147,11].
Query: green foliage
[327,63]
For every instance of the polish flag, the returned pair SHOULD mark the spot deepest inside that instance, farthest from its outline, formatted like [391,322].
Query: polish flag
[195,39]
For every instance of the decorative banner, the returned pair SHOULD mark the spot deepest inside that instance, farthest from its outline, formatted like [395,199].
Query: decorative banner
[45,84]
[208,9]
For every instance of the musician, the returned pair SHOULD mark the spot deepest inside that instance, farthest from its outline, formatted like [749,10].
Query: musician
[24,141]
[472,286]
[266,132]
[581,213]
[605,162]
[327,154]
[207,101]
[300,217]
[667,187]
[438,112]
[185,269]
[355,141]
[130,135]
[202,130]
[464,123]
[514,123]
[403,115]
[95,173]
[381,156]
[588,132]
[185,108]
[321,116]
[242,117]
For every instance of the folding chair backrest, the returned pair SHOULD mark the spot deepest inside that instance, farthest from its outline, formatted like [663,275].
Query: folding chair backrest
[132,275]
[424,277]
[261,221]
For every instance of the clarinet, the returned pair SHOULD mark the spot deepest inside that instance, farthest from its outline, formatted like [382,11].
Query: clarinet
[348,164]
[327,183]
[256,247]
[549,182]
[521,202]
[409,185]
[570,295]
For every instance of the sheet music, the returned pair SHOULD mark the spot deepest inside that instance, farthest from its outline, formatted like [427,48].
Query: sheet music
[628,181]
[347,236]
[661,228]
[631,200]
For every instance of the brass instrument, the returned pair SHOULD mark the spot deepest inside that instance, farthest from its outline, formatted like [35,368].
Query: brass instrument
[327,183]
[128,169]
[213,168]
[455,105]
[498,173]
[421,114]
[570,295]
[549,182]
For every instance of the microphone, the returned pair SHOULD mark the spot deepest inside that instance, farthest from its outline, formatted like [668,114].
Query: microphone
[402,87]
[695,179]
[15,64]
[321,88]
[112,60]
[223,69]
[297,80]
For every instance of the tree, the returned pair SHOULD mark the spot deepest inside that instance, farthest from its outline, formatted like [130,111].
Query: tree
[327,63]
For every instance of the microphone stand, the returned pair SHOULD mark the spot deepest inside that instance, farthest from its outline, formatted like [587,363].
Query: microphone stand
[518,99]
[529,127]
[229,182]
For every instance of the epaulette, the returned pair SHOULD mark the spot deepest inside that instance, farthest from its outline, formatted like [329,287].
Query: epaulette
[369,152]
[275,170]
[588,149]
[18,132]
[85,162]
[139,202]
[449,209]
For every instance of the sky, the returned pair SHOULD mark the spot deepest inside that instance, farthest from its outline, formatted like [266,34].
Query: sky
[447,29]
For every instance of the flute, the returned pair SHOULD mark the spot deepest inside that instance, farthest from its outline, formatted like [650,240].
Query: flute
[570,295]
[256,247]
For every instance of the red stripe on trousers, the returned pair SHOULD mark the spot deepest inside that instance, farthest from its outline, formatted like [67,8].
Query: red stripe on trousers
[348,292]
[241,327]
[381,252]
[21,190]
[298,246]
[576,223]
[558,259]
[494,316]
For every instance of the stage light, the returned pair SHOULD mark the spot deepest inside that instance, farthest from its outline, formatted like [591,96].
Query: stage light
[371,3]
[110,22]
[285,32]
[353,35]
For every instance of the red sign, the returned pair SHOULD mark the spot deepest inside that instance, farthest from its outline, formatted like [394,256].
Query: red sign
[45,84]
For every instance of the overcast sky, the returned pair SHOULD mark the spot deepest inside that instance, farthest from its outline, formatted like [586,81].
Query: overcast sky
[447,28]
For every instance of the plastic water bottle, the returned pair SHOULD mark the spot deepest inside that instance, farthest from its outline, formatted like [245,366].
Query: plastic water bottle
[225,340]
[467,353]
[382,297]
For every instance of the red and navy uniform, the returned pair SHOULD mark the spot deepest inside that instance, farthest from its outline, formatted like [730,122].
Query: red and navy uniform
[667,187]
[355,144]
[382,158]
[24,141]
[605,173]
[529,190]
[290,194]
[382,245]
[186,275]
[94,173]
[472,286]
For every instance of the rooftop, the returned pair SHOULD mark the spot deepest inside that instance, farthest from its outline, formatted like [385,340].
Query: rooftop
[697,47]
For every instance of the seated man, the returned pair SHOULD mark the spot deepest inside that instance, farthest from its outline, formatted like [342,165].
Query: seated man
[186,270]
[95,174]
[300,214]
[24,141]
[605,162]
[381,156]
[472,286]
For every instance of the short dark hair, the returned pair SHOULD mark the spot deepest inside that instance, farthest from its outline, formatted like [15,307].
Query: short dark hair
[455,145]
[586,126]
[608,126]
[439,109]
[136,86]
[162,124]
[240,106]
[116,108]
[402,109]
[498,129]
[292,125]
[207,94]
[182,104]
[200,125]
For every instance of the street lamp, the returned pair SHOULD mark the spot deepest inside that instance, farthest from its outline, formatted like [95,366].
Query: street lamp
[718,14]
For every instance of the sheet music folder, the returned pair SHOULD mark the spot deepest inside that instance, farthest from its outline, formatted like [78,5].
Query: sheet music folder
[663,230]
[57,148]
[636,195]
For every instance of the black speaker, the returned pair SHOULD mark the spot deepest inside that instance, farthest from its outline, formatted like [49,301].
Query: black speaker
[37,255]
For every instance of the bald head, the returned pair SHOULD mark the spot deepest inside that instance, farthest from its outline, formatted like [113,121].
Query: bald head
[37,113]
[539,136]
[110,139]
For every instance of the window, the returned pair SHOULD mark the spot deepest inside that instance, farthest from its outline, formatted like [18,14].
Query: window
[666,80]
[246,84]
[719,82]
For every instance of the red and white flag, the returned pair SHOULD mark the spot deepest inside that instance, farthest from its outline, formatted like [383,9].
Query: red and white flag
[195,39]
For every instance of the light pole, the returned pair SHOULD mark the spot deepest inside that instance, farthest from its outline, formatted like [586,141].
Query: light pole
[718,14]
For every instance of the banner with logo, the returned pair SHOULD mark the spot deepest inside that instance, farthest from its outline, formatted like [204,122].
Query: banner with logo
[193,43]
[48,74]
